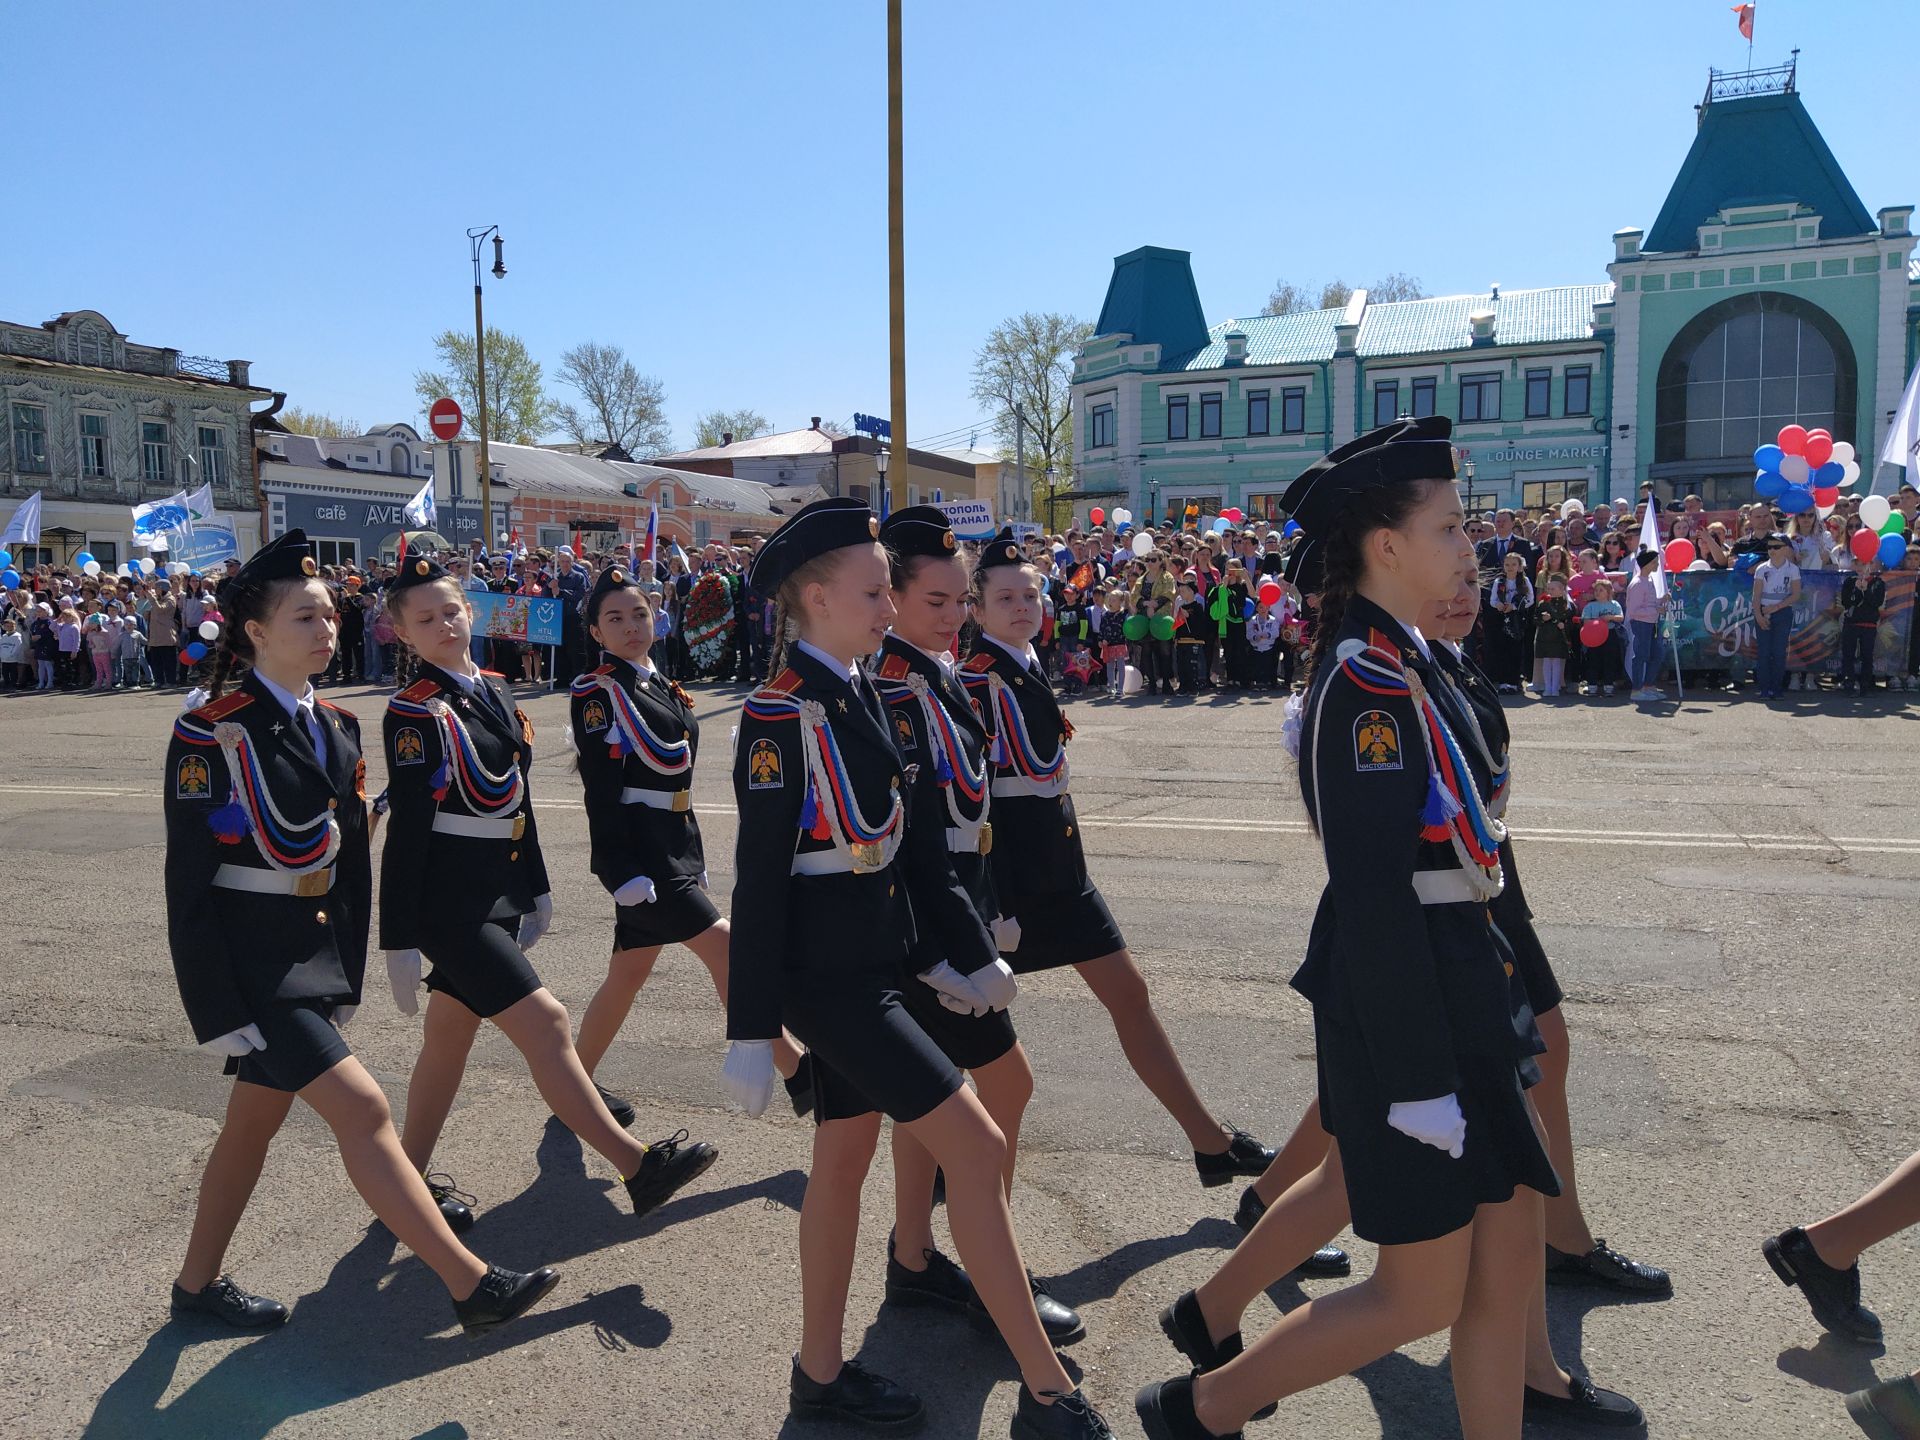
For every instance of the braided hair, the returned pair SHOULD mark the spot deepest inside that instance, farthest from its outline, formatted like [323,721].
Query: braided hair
[786,602]
[1343,554]
[240,600]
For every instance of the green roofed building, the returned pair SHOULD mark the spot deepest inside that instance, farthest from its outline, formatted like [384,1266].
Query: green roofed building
[1764,294]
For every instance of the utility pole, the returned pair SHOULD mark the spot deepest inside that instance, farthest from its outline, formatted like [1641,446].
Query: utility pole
[1023,501]
[896,252]
[476,238]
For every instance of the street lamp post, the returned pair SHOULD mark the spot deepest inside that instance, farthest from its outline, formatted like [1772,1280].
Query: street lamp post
[882,501]
[476,239]
[1046,477]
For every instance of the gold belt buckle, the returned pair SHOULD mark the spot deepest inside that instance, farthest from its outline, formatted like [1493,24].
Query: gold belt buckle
[682,801]
[519,825]
[311,884]
[867,854]
[986,838]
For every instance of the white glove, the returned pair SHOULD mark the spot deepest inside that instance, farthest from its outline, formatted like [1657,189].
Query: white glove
[403,974]
[703,879]
[637,891]
[1438,1123]
[956,991]
[342,1014]
[236,1043]
[1006,934]
[996,984]
[747,1076]
[533,926]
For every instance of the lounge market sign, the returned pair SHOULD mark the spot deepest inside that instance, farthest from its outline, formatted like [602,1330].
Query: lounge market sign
[1592,451]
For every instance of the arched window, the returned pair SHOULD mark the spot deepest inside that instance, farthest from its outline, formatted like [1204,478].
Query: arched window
[401,461]
[1743,368]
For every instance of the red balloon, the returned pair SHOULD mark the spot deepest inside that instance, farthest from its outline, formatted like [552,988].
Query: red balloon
[1865,545]
[1269,594]
[1593,634]
[1827,433]
[1793,439]
[1097,515]
[1819,449]
[1826,496]
[1680,554]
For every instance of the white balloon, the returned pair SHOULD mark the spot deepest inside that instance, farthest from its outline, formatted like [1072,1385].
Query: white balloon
[1822,511]
[92,567]
[1852,469]
[1123,517]
[146,567]
[209,629]
[1794,469]
[1843,451]
[1874,511]
[1143,544]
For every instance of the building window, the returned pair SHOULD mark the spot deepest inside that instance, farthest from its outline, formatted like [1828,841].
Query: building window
[213,455]
[1293,411]
[1539,394]
[153,452]
[1539,494]
[1386,401]
[666,499]
[1209,417]
[1579,390]
[30,439]
[107,552]
[1423,391]
[551,537]
[1479,502]
[1264,506]
[1257,408]
[27,558]
[1479,397]
[1177,418]
[93,446]
[334,552]
[1100,427]
[1205,505]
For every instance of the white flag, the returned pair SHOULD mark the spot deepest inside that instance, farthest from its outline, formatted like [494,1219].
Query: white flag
[24,527]
[1903,436]
[1650,540]
[419,510]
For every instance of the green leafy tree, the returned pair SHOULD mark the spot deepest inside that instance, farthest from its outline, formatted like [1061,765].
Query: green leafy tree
[314,422]
[741,424]
[518,409]
[1027,362]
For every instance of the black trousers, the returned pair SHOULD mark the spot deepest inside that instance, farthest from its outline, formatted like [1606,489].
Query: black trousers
[1190,660]
[1856,644]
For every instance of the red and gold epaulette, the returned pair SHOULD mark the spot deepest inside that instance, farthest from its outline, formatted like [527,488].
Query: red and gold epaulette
[895,667]
[979,662]
[226,705]
[604,670]
[785,683]
[341,708]
[419,692]
[495,674]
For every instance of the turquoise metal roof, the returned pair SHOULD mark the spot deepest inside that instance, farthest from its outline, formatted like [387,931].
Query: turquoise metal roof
[1301,338]
[1152,297]
[1760,150]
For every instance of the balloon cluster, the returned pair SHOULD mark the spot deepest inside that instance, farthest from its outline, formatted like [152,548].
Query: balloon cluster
[1882,533]
[9,577]
[1804,470]
[194,651]
[1121,518]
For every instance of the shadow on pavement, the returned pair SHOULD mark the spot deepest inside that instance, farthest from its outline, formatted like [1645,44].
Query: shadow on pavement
[1833,1364]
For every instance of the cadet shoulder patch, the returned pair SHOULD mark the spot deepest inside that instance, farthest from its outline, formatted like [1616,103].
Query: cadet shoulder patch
[420,691]
[763,765]
[895,667]
[903,729]
[593,716]
[979,662]
[408,747]
[1376,742]
[191,779]
[223,707]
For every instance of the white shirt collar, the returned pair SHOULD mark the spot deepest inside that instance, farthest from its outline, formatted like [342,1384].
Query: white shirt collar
[939,657]
[1413,634]
[1025,659]
[289,702]
[468,683]
[642,669]
[848,668]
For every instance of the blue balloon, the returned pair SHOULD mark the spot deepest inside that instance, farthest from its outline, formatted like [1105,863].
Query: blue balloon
[10,579]
[1831,474]
[1769,484]
[83,559]
[1768,457]
[1893,549]
[6,559]
[1247,609]
[1796,499]
[1290,529]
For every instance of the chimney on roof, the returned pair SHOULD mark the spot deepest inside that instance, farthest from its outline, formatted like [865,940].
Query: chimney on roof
[816,422]
[726,437]
[1496,289]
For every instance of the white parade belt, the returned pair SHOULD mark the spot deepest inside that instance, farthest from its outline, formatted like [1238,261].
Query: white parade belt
[679,801]
[970,839]
[1020,785]
[1446,887]
[861,858]
[482,827]
[274,882]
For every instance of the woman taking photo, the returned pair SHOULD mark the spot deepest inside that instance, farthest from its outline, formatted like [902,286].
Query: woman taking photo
[1425,1047]
[823,942]
[269,894]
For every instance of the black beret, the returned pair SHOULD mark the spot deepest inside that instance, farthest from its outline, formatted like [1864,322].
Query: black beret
[614,577]
[918,530]
[1003,549]
[285,557]
[1398,454]
[823,526]
[414,570]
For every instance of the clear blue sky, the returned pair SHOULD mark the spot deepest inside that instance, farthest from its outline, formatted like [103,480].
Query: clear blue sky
[705,185]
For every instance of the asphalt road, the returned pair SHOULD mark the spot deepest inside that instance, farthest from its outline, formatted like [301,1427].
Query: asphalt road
[1727,892]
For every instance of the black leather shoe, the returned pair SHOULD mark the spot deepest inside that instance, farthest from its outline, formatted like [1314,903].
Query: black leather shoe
[1061,1322]
[1833,1294]
[1165,1409]
[1069,1417]
[1889,1410]
[800,1090]
[226,1301]
[1588,1404]
[619,1109]
[1186,1327]
[943,1285]
[856,1396]
[1329,1262]
[502,1295]
[1605,1267]
[456,1206]
[1244,1155]
[667,1165]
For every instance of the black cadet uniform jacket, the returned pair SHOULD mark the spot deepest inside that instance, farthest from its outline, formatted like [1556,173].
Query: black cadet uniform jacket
[235,951]
[634,840]
[432,881]
[956,933]
[800,931]
[1036,838]
[1419,983]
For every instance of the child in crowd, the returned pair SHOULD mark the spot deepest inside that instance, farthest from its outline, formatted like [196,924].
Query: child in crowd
[68,633]
[1603,660]
[1073,631]
[100,652]
[1580,587]
[1642,610]
[1551,615]
[1113,640]
[1189,649]
[132,655]
[1861,595]
[1263,639]
[13,654]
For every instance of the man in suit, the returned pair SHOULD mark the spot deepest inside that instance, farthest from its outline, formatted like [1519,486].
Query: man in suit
[1492,552]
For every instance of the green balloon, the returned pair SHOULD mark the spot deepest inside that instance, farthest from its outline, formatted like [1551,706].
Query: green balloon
[1135,628]
[1162,627]
[1894,524]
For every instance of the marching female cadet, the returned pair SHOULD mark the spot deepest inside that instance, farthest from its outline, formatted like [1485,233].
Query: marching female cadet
[822,939]
[637,740]
[1425,1044]
[1052,913]
[936,731]
[269,894]
[462,882]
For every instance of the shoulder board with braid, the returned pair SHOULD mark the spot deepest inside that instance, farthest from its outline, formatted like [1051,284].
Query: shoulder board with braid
[894,667]
[1373,664]
[223,707]
[341,708]
[420,691]
[775,700]
[781,686]
[979,662]
[496,674]
[586,684]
